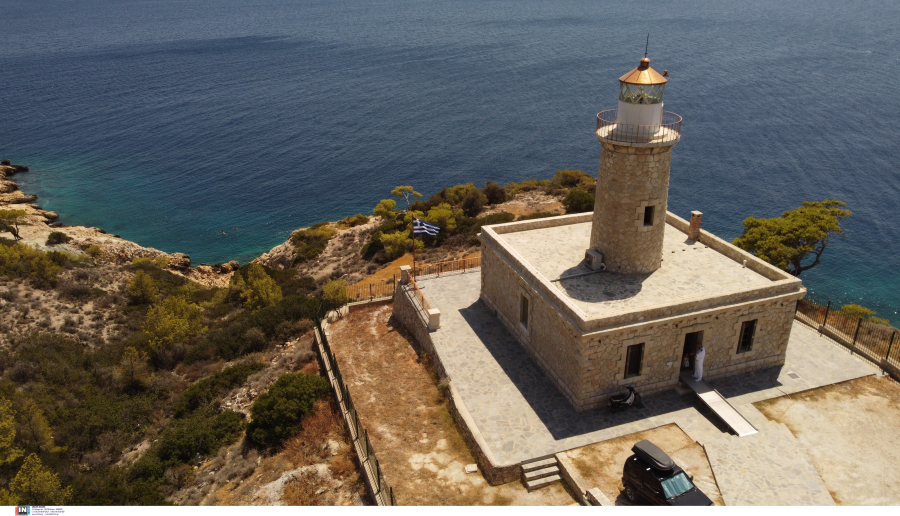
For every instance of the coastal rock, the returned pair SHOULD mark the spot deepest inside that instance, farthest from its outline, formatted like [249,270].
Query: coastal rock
[280,257]
[49,215]
[17,197]
[179,261]
[225,268]
[205,270]
[7,186]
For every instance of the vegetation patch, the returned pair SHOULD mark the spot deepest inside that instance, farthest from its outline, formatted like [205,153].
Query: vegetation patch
[276,415]
[311,242]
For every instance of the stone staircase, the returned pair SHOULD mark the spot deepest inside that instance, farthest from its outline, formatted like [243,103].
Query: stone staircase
[540,473]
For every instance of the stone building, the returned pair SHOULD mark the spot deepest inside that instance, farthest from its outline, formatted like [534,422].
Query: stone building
[622,295]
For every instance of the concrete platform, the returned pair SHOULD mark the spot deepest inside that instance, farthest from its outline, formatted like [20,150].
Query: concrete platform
[521,415]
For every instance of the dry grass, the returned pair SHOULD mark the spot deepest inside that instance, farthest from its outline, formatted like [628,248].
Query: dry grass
[417,443]
[601,464]
[849,431]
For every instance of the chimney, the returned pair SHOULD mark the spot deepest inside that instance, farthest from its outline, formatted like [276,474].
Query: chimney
[694,230]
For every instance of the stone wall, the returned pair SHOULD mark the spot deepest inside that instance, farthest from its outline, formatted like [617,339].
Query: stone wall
[552,341]
[664,344]
[588,367]
[631,179]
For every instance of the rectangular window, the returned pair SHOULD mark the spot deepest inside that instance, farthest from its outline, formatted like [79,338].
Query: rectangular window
[633,358]
[648,216]
[748,331]
[523,312]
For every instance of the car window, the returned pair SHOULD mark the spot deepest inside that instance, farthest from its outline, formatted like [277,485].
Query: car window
[679,484]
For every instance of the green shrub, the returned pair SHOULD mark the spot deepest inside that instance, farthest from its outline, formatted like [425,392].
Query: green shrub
[188,439]
[472,226]
[206,390]
[228,341]
[311,242]
[494,193]
[171,325]
[356,220]
[160,262]
[276,414]
[578,201]
[574,179]
[142,290]
[335,294]
[257,289]
[473,202]
[861,312]
[22,261]
[58,237]
[385,209]
[93,251]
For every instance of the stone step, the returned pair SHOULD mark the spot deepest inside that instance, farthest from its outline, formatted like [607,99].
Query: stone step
[533,485]
[538,464]
[540,473]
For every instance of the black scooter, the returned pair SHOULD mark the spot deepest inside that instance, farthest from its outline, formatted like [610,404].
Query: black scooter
[624,401]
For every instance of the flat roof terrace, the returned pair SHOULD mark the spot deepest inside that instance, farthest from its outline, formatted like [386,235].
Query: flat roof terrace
[693,275]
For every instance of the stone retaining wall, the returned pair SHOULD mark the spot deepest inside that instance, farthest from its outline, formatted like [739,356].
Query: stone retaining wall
[408,313]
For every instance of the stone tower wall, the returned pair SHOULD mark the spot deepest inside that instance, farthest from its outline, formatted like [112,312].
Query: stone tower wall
[629,180]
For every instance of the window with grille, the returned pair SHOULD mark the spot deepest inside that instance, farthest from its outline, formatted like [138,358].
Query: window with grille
[748,331]
[523,312]
[634,357]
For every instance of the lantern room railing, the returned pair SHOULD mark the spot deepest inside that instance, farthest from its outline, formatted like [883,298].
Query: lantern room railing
[668,130]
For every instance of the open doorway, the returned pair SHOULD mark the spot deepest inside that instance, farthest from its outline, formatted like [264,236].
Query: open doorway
[690,346]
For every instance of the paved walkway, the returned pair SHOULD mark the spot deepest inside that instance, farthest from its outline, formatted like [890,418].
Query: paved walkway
[522,415]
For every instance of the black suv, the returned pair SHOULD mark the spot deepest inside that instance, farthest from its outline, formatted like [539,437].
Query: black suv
[653,475]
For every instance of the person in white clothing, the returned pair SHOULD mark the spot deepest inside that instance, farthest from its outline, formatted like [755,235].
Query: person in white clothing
[698,362]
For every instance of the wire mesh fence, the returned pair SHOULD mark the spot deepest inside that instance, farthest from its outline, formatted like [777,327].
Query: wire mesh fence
[875,341]
[381,491]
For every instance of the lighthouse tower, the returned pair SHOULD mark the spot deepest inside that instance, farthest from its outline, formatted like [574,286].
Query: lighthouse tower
[633,183]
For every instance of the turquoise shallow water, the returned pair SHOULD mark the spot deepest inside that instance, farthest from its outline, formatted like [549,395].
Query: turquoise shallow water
[171,121]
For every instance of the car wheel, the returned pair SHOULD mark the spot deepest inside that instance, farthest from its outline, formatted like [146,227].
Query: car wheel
[630,493]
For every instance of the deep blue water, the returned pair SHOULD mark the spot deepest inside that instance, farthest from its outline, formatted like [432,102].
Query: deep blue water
[170,121]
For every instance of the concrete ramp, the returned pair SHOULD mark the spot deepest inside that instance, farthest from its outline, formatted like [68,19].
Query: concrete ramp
[718,404]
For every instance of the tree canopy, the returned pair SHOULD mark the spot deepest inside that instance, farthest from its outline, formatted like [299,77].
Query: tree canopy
[795,241]
[10,220]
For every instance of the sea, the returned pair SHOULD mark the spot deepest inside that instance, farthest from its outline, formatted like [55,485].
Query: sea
[216,127]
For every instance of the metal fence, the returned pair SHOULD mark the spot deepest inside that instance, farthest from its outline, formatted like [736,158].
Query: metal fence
[372,290]
[609,127]
[381,491]
[419,296]
[453,266]
[877,342]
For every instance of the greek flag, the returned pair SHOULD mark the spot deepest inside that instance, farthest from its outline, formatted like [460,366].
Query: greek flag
[424,228]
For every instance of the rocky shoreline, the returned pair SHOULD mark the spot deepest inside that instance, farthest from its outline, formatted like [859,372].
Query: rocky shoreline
[39,223]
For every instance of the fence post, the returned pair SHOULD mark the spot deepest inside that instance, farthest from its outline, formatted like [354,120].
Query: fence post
[370,292]
[855,335]
[377,477]
[827,311]
[891,345]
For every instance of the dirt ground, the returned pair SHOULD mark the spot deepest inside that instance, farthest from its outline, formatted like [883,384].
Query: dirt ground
[601,464]
[850,432]
[415,439]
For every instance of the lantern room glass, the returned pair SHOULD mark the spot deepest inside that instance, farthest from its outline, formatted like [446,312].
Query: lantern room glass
[642,93]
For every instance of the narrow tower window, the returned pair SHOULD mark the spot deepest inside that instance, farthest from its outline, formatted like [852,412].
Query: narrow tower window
[523,312]
[633,358]
[648,216]
[748,331]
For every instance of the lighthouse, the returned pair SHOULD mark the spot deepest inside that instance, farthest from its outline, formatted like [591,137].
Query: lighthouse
[633,181]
